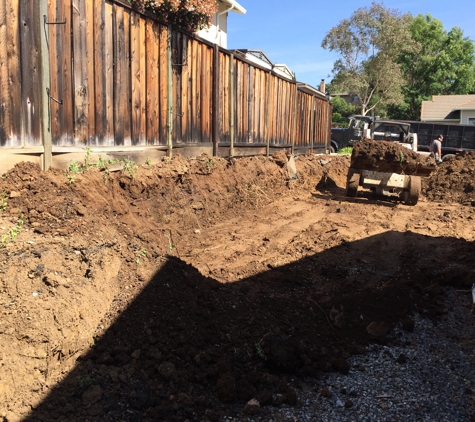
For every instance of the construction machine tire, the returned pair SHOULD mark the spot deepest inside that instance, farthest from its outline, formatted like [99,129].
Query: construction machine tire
[352,184]
[411,196]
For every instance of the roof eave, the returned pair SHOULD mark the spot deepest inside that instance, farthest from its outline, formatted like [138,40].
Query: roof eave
[236,7]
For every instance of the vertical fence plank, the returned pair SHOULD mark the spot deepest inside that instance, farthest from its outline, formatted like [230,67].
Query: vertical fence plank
[5,94]
[30,75]
[152,61]
[104,73]
[14,72]
[122,115]
[138,84]
[163,91]
[194,100]
[185,87]
[177,61]
[61,72]
[84,119]
[205,88]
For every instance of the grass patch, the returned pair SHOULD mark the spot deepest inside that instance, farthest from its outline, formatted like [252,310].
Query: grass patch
[345,151]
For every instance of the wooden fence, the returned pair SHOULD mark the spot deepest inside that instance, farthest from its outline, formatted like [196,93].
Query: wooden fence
[97,74]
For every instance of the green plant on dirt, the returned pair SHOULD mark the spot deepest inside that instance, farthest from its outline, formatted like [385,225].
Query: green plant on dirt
[74,167]
[13,232]
[260,351]
[3,201]
[148,161]
[209,163]
[401,159]
[84,382]
[129,166]
[345,151]
[142,254]
[104,166]
[87,159]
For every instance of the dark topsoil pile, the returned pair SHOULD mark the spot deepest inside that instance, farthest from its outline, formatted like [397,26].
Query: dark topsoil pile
[454,180]
[390,157]
[181,346]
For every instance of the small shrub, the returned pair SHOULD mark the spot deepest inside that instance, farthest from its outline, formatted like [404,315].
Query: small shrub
[3,201]
[345,151]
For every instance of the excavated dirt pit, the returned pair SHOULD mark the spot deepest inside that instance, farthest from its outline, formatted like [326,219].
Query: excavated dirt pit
[184,289]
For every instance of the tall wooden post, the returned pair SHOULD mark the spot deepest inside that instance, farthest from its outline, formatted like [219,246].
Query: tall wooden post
[169,94]
[215,102]
[47,157]
[231,105]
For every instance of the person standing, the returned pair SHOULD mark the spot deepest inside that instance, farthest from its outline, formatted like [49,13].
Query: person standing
[436,149]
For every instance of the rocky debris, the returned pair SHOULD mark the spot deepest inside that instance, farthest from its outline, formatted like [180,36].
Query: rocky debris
[252,407]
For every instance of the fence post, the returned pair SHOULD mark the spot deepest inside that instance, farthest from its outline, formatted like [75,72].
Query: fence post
[231,105]
[169,94]
[297,116]
[47,156]
[215,102]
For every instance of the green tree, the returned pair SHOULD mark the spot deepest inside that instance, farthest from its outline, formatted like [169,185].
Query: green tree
[368,44]
[188,14]
[438,63]
[341,111]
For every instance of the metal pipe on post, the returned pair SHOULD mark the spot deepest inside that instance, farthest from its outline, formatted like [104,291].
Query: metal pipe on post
[231,105]
[169,94]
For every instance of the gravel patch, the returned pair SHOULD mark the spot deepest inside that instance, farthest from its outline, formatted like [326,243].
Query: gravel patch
[424,375]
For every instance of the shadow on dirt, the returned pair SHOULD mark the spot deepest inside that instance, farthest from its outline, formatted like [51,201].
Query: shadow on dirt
[338,194]
[190,348]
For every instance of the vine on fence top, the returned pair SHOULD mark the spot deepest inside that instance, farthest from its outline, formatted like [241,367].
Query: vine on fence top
[191,15]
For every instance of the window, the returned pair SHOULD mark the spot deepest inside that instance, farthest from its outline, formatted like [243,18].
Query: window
[471,120]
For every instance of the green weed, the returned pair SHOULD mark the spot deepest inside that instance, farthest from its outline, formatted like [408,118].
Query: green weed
[129,167]
[74,167]
[87,159]
[13,232]
[3,201]
[260,351]
[209,164]
[84,382]
[140,255]
[148,161]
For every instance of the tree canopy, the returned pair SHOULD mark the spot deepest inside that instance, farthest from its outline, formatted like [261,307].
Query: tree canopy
[440,63]
[188,14]
[368,43]
[392,62]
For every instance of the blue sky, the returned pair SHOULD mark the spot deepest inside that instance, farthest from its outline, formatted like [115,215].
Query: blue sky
[292,32]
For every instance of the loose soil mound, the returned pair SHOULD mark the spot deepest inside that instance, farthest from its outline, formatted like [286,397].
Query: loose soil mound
[390,157]
[184,289]
[454,180]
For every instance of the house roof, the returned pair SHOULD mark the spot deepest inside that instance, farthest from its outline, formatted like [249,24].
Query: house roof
[445,107]
[235,6]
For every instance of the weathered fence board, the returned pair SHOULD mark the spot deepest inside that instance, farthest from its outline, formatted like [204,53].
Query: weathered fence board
[30,72]
[10,75]
[61,111]
[139,82]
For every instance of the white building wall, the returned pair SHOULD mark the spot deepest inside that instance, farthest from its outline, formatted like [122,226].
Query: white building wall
[467,117]
[217,33]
